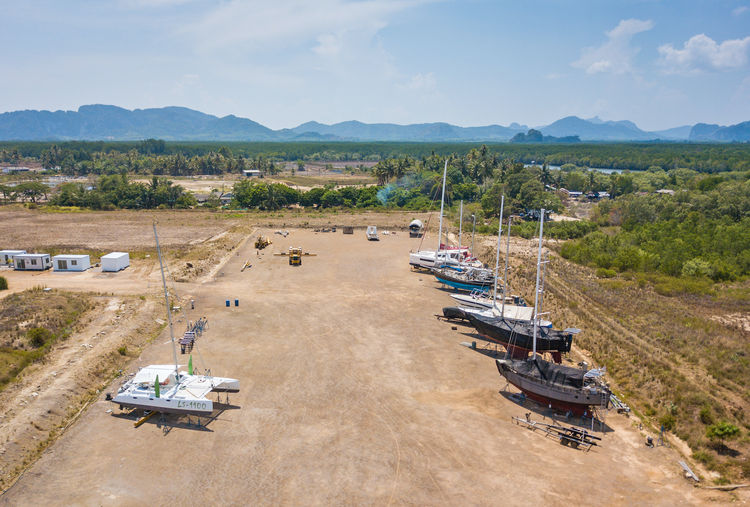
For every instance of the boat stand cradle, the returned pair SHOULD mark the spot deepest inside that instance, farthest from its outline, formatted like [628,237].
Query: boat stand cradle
[577,438]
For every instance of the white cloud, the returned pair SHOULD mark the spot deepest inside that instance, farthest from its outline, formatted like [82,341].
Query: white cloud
[328,45]
[423,82]
[616,54]
[140,4]
[256,25]
[701,52]
[740,10]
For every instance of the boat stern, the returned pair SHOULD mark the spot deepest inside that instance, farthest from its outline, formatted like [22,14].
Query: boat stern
[225,385]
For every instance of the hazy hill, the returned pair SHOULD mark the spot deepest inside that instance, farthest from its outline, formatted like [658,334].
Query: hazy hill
[116,123]
[596,130]
[676,133]
[415,132]
[733,133]
[102,122]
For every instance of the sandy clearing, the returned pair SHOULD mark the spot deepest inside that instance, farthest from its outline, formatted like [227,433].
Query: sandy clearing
[352,393]
[121,230]
[40,401]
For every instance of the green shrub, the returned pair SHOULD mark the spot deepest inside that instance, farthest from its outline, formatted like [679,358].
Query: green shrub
[3,283]
[722,431]
[668,421]
[123,350]
[706,415]
[38,336]
[605,273]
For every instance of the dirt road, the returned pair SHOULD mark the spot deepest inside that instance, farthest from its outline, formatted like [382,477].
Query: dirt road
[352,393]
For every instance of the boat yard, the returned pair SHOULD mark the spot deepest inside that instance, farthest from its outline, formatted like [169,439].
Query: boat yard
[352,393]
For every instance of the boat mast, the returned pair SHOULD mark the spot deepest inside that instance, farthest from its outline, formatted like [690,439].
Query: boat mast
[460,226]
[497,254]
[505,276]
[442,203]
[166,300]
[536,295]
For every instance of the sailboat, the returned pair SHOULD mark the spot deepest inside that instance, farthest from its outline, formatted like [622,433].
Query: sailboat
[480,302]
[444,255]
[564,388]
[511,324]
[164,388]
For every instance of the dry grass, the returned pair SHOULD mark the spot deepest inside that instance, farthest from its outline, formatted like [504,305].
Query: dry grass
[680,359]
[56,311]
[676,365]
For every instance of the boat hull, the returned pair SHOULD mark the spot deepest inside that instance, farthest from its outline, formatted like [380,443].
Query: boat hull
[482,303]
[166,405]
[226,385]
[576,401]
[506,332]
[463,285]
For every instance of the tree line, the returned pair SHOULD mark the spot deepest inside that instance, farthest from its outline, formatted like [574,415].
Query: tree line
[116,191]
[703,232]
[702,157]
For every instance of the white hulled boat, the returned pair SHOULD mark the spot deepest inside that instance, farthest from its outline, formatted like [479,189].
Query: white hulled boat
[444,255]
[164,388]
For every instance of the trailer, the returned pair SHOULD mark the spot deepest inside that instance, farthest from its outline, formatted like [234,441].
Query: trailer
[71,262]
[32,262]
[115,261]
[6,256]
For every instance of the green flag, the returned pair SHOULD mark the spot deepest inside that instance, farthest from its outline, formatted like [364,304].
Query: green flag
[190,365]
[156,386]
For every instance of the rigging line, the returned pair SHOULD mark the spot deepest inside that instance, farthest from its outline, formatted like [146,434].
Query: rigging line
[427,225]
[202,361]
[183,311]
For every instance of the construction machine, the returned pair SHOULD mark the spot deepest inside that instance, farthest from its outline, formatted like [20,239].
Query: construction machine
[295,254]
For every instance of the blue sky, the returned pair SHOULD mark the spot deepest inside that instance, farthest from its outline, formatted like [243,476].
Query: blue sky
[658,63]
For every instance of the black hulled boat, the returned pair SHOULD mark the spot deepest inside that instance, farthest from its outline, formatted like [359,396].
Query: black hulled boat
[518,336]
[554,385]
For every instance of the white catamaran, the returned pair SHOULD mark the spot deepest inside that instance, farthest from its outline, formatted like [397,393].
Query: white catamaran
[163,388]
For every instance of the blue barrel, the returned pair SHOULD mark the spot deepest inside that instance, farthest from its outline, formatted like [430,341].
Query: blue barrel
[228,303]
[236,302]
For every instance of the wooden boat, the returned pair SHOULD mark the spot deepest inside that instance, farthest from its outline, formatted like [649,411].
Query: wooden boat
[561,387]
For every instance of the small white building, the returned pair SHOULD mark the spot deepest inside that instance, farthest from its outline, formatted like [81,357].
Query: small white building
[6,256]
[32,262]
[251,173]
[71,262]
[115,261]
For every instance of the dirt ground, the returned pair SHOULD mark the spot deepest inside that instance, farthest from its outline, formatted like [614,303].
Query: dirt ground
[50,394]
[352,393]
[120,230]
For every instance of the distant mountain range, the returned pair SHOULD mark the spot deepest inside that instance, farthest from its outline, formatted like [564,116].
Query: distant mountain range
[102,122]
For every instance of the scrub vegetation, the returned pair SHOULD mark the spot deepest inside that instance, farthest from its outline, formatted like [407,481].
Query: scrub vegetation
[31,322]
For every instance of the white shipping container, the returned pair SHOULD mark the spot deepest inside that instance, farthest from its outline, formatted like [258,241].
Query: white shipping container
[31,262]
[6,256]
[71,262]
[115,261]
